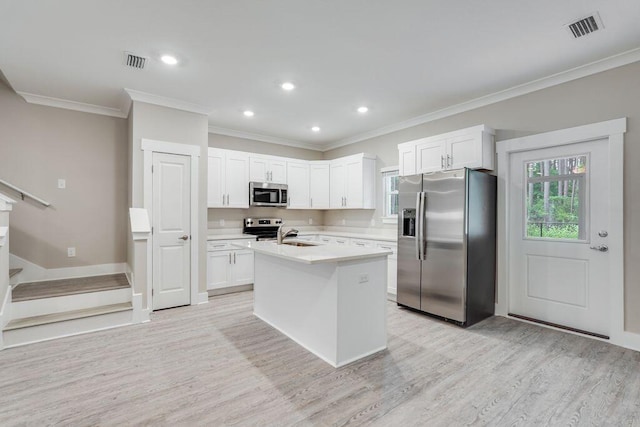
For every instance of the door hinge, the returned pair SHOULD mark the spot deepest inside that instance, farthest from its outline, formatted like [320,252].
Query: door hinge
[151,291]
[151,230]
[151,168]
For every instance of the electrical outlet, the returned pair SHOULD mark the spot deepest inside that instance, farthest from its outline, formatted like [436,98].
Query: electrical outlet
[310,221]
[364,278]
[71,252]
[344,221]
[222,223]
[62,183]
[373,222]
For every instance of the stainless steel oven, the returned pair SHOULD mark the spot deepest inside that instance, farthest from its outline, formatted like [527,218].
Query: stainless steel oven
[267,194]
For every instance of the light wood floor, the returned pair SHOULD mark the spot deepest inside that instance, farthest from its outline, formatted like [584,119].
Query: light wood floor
[216,364]
[80,285]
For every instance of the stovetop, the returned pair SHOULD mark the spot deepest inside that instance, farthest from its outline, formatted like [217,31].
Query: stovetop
[263,228]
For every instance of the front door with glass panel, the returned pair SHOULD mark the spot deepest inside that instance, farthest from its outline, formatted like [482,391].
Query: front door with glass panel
[558,219]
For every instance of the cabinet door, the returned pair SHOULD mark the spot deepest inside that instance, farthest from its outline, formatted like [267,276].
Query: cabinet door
[337,175]
[354,191]
[216,179]
[464,151]
[258,168]
[319,185]
[242,267]
[237,180]
[430,156]
[278,171]
[407,157]
[218,267]
[298,182]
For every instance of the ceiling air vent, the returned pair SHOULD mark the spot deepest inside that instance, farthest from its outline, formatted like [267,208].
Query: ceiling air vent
[134,61]
[585,26]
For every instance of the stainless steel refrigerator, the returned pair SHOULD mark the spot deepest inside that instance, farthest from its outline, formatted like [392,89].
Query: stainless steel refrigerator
[447,244]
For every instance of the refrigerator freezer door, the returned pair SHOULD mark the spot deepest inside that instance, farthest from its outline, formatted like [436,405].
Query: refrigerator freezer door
[408,258]
[444,266]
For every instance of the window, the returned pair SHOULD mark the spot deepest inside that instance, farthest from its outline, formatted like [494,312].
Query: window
[390,194]
[555,198]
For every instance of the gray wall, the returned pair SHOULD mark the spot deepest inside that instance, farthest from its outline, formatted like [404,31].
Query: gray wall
[608,95]
[170,125]
[39,145]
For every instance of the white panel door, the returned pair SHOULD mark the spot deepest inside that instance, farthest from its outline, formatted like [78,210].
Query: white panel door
[337,175]
[319,185]
[298,183]
[237,180]
[216,180]
[558,217]
[218,269]
[172,230]
[354,193]
[258,169]
[430,156]
[278,171]
[242,267]
[464,152]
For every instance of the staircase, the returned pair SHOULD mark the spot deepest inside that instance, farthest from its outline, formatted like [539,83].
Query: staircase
[51,309]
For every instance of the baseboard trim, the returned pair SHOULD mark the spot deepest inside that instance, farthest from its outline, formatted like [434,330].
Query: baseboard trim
[34,273]
[203,298]
[229,290]
[631,341]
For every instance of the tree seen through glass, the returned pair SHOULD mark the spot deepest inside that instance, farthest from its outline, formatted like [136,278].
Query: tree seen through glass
[555,198]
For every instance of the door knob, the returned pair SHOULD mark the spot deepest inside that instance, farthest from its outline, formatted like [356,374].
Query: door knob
[185,237]
[601,248]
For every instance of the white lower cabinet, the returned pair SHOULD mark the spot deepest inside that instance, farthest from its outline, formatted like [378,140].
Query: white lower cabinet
[227,266]
[392,266]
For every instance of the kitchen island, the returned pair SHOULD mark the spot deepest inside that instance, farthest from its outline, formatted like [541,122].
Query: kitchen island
[329,299]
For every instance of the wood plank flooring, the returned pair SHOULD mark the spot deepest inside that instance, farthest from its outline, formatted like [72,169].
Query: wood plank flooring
[80,285]
[216,364]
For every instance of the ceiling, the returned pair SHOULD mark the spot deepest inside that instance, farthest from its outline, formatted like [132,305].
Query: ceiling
[405,60]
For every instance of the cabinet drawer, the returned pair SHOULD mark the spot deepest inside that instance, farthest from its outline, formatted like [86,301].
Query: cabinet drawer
[225,245]
[362,243]
[388,246]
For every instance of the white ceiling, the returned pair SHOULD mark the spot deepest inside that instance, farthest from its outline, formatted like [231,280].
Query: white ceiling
[403,59]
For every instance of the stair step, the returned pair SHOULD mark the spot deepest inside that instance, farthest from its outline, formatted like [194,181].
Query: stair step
[67,315]
[57,288]
[14,271]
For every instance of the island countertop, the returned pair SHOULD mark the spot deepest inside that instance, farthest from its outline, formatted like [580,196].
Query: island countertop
[314,253]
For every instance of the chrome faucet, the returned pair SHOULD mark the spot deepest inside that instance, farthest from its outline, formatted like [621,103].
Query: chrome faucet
[280,236]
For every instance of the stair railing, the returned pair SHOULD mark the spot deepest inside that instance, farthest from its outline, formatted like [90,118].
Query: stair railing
[24,194]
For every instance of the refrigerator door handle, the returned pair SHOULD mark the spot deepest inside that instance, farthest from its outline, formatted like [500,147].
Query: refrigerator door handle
[423,225]
[418,232]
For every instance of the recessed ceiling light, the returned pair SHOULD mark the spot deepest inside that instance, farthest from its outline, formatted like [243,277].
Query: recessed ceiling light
[248,113]
[288,86]
[169,60]
[315,129]
[363,109]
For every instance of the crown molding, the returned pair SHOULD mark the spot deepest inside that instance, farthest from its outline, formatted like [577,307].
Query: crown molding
[595,67]
[264,138]
[163,101]
[48,101]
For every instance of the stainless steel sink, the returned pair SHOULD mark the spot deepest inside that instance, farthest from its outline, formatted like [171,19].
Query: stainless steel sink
[299,244]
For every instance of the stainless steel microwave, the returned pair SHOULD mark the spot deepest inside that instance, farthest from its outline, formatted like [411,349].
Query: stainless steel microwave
[267,194]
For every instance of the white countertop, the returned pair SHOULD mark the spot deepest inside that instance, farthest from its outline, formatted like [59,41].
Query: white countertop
[317,253]
[380,237]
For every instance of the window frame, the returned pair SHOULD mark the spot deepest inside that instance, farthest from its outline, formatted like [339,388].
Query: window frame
[388,172]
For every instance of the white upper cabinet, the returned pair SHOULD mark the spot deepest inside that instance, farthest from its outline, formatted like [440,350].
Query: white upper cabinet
[353,182]
[473,148]
[319,183]
[298,185]
[228,179]
[268,169]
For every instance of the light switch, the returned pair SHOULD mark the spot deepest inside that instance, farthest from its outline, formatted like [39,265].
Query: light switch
[71,252]
[62,183]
